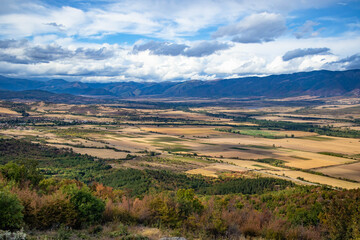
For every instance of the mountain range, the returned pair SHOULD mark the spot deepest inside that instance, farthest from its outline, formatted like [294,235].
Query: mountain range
[317,83]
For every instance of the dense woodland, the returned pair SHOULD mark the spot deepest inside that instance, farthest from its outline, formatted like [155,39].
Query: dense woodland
[44,188]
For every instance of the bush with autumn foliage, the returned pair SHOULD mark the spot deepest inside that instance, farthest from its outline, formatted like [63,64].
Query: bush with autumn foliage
[30,200]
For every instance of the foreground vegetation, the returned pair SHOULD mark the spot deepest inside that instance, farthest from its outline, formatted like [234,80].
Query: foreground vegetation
[194,207]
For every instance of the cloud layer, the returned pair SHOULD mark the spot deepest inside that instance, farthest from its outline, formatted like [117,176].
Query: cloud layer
[151,40]
[256,28]
[200,49]
[162,19]
[163,61]
[298,53]
[348,63]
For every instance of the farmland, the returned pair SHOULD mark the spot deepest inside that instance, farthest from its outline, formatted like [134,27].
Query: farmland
[145,153]
[239,138]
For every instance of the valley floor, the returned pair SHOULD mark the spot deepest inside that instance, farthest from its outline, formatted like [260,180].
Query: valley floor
[227,157]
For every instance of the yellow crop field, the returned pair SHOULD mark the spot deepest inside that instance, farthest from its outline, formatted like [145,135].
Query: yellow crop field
[349,171]
[308,160]
[215,169]
[203,171]
[309,144]
[318,179]
[7,111]
[250,164]
[100,153]
[182,130]
[81,118]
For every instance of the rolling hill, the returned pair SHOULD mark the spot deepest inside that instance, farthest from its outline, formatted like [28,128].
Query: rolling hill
[317,83]
[41,95]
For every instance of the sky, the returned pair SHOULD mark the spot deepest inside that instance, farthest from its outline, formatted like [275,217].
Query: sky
[159,40]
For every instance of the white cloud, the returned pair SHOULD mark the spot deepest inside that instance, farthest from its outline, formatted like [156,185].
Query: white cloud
[307,30]
[118,63]
[347,63]
[198,49]
[59,43]
[162,19]
[302,52]
[256,28]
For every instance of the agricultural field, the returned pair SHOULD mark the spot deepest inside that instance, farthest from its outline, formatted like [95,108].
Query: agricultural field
[7,111]
[145,153]
[349,171]
[287,141]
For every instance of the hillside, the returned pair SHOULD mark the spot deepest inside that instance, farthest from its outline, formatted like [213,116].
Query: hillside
[41,95]
[316,83]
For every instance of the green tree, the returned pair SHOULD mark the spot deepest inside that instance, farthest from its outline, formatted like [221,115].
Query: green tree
[11,216]
[89,208]
[22,172]
[187,203]
[342,216]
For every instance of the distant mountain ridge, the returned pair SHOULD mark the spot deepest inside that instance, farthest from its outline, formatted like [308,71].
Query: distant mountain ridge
[317,83]
[41,95]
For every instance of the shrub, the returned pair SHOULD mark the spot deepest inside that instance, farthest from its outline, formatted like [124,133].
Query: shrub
[122,231]
[63,233]
[89,208]
[95,229]
[106,193]
[31,202]
[164,210]
[55,211]
[11,216]
[49,185]
[187,202]
[116,212]
[22,172]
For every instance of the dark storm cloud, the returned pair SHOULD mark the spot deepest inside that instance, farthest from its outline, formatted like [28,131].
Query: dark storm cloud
[297,53]
[172,49]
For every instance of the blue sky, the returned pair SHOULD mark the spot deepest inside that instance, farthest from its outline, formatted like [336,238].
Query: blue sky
[158,40]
